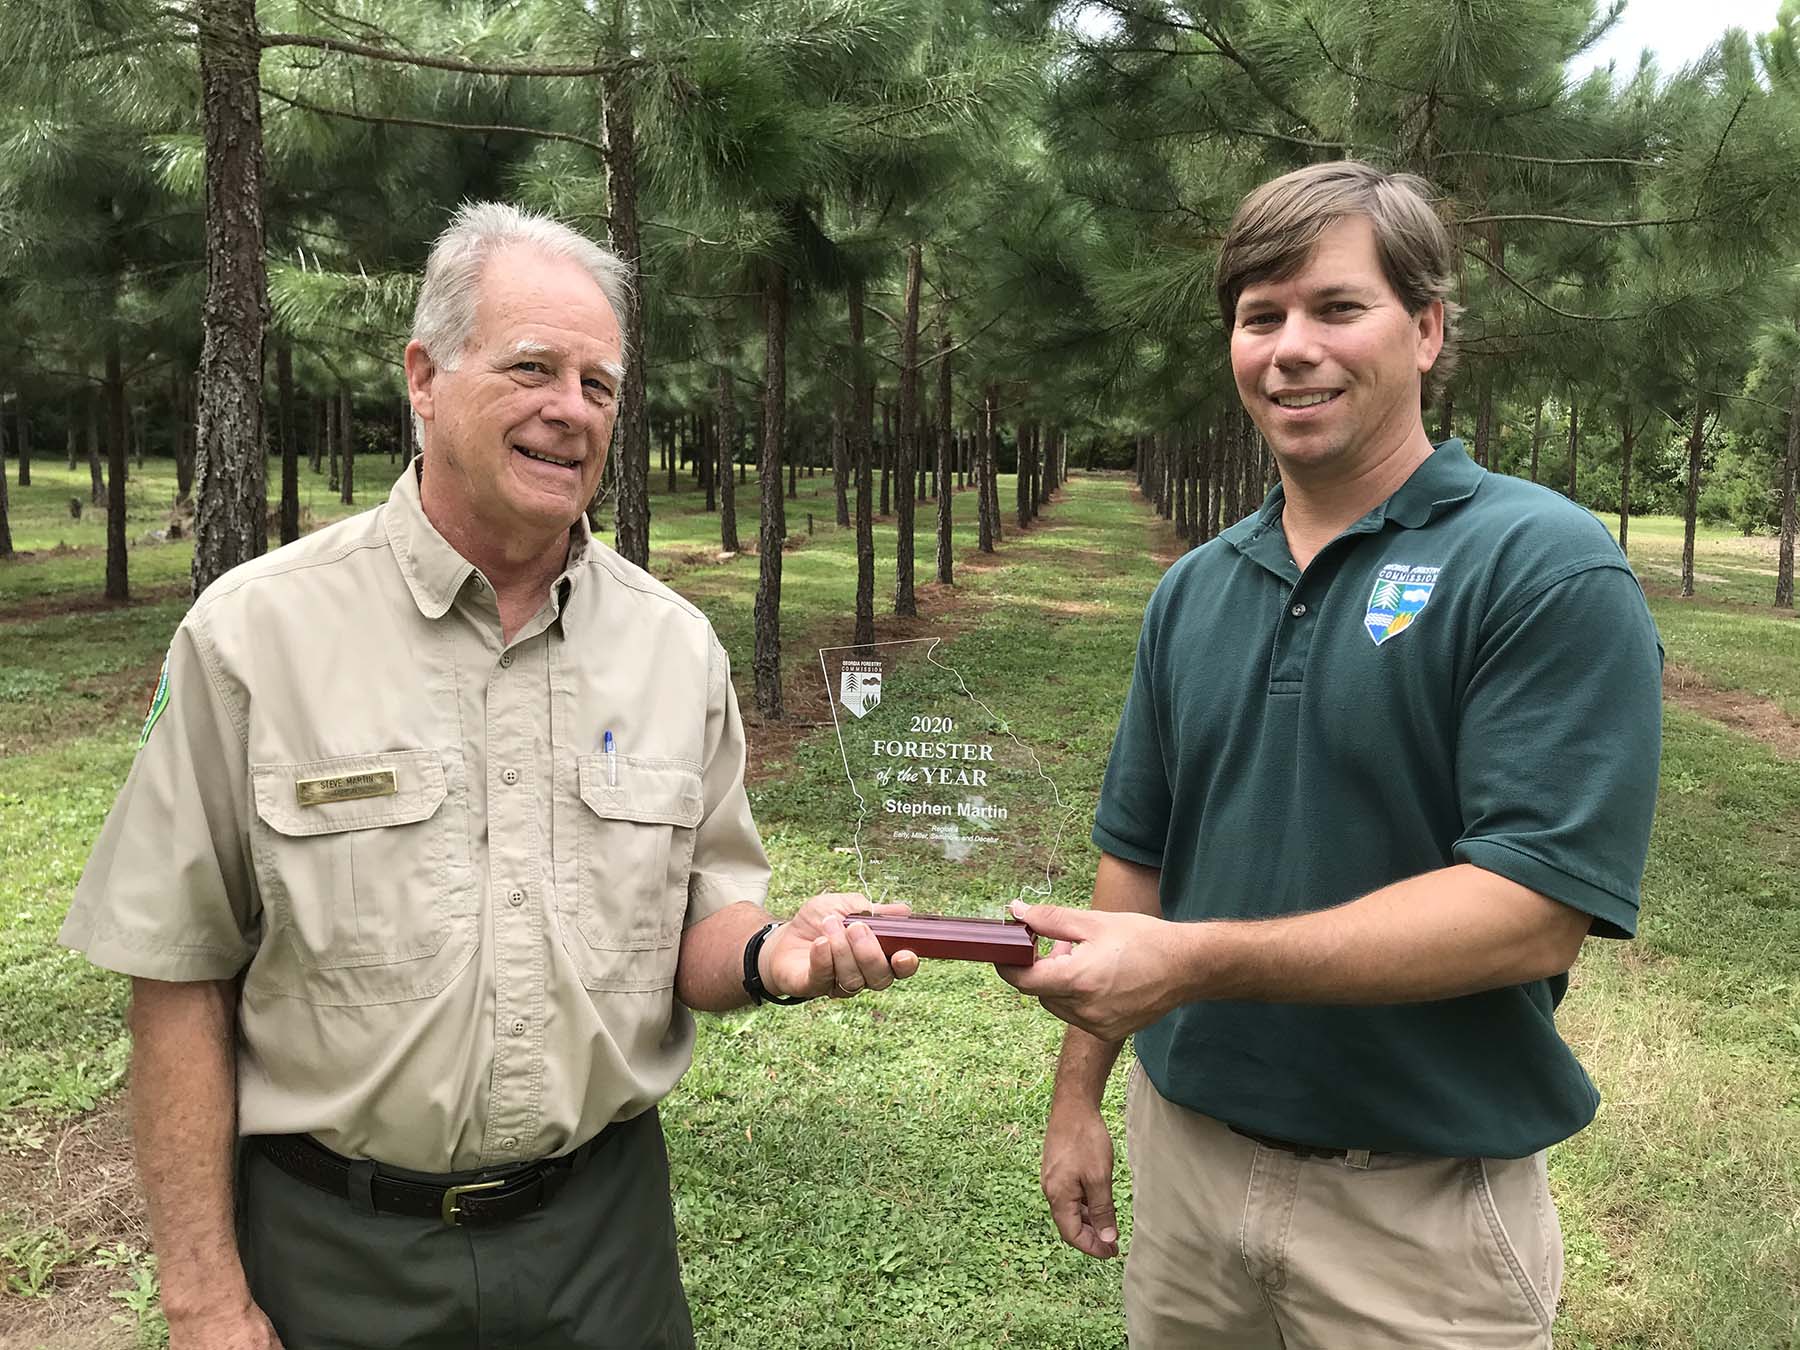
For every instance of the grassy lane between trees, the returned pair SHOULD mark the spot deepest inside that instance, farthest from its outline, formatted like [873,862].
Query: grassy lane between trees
[864,1174]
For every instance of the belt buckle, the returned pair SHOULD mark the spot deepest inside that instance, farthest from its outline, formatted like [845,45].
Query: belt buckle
[451,1209]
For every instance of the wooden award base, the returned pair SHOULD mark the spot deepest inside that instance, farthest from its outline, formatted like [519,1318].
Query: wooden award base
[1002,942]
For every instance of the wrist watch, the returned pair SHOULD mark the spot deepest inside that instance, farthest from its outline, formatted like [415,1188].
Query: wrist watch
[753,982]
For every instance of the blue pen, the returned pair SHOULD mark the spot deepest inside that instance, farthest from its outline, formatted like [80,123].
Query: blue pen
[612,760]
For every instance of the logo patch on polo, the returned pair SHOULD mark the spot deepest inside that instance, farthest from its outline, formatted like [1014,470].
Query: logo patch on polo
[1401,591]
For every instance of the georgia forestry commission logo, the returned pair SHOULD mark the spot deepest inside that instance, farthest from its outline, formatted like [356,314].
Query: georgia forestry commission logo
[1401,591]
[859,686]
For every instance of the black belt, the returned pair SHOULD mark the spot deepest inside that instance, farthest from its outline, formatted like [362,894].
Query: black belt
[489,1198]
[1289,1146]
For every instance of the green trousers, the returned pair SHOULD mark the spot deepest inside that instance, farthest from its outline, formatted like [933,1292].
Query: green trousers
[595,1269]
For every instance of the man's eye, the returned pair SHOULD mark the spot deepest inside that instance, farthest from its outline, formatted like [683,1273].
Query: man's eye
[1253,320]
[1342,307]
[535,367]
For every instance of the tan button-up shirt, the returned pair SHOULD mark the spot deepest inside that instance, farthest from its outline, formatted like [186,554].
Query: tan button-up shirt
[457,915]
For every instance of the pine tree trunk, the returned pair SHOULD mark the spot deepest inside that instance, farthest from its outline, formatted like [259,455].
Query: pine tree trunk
[767,659]
[1446,417]
[1625,477]
[321,433]
[987,499]
[907,418]
[230,524]
[22,438]
[6,543]
[840,463]
[945,457]
[887,453]
[347,406]
[631,437]
[118,586]
[334,423]
[290,449]
[1182,522]
[96,467]
[1537,438]
[1021,476]
[1790,485]
[725,411]
[1574,443]
[861,455]
[709,460]
[1484,424]
[69,433]
[1691,509]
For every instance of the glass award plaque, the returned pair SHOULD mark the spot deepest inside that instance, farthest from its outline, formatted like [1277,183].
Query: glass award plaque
[940,805]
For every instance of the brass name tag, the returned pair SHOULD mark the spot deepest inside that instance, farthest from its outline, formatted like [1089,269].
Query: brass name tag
[318,791]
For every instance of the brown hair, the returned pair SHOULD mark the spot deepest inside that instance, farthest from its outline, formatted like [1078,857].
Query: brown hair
[1276,228]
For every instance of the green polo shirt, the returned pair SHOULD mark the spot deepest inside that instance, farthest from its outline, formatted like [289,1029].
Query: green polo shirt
[1468,674]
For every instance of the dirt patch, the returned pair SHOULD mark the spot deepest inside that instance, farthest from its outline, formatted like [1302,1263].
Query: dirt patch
[77,1178]
[1759,718]
[56,606]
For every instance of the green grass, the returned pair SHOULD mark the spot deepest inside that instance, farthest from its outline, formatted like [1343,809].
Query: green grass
[865,1174]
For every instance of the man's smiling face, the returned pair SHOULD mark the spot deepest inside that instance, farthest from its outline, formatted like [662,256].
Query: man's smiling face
[517,432]
[1328,362]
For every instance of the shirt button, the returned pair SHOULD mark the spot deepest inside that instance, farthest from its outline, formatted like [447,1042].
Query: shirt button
[506,658]
[509,1142]
[515,898]
[1298,611]
[509,777]
[518,1028]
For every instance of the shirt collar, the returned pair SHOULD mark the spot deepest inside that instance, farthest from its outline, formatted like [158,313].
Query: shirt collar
[435,572]
[1447,476]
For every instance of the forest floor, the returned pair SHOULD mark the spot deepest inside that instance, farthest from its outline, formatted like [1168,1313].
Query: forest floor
[865,1174]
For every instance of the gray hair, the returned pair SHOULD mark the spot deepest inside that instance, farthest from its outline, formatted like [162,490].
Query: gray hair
[445,314]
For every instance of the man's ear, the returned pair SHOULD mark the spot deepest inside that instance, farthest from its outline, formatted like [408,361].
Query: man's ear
[1430,322]
[421,370]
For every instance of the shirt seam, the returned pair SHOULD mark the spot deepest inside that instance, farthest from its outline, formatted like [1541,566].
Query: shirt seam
[1605,887]
[1592,563]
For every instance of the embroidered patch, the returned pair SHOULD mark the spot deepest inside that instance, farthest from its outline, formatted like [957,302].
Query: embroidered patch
[1401,591]
[158,702]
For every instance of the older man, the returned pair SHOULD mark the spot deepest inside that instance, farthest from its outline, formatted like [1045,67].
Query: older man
[1388,757]
[437,829]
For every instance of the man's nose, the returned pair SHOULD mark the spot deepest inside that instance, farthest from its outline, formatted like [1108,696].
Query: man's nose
[566,403]
[1297,344]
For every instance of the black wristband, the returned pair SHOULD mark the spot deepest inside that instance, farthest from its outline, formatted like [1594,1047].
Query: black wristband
[753,984]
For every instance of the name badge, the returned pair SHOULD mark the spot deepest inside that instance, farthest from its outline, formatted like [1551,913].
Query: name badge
[347,788]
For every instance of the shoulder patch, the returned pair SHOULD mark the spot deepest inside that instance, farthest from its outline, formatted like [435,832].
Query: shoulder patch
[1401,591]
[158,702]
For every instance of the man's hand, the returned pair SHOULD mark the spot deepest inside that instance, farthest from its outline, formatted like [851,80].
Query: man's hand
[240,1328]
[1077,1176]
[816,952]
[1108,973]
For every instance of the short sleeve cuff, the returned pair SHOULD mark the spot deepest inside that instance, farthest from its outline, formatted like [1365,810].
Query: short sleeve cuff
[708,894]
[1108,842]
[1613,916]
[148,959]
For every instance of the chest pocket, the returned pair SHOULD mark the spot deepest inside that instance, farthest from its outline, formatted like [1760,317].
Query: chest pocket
[363,865]
[635,849]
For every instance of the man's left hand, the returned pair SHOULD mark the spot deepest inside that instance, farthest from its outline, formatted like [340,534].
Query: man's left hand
[818,952]
[1109,973]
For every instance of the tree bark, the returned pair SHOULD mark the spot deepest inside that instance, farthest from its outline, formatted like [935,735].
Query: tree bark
[767,659]
[1691,510]
[945,457]
[631,437]
[347,476]
[840,463]
[230,525]
[6,542]
[984,450]
[118,585]
[1574,442]
[725,411]
[96,468]
[1484,424]
[1790,485]
[1446,417]
[887,454]
[1629,436]
[21,437]
[861,453]
[1537,438]
[907,420]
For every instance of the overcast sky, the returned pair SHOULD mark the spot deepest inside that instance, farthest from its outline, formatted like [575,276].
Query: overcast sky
[1676,30]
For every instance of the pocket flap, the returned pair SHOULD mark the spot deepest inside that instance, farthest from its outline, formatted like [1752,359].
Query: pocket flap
[349,792]
[654,791]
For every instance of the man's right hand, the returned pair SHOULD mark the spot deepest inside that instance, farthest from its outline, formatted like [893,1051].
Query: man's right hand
[241,1328]
[1077,1176]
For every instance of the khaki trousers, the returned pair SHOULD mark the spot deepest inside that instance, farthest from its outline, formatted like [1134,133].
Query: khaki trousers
[1238,1246]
